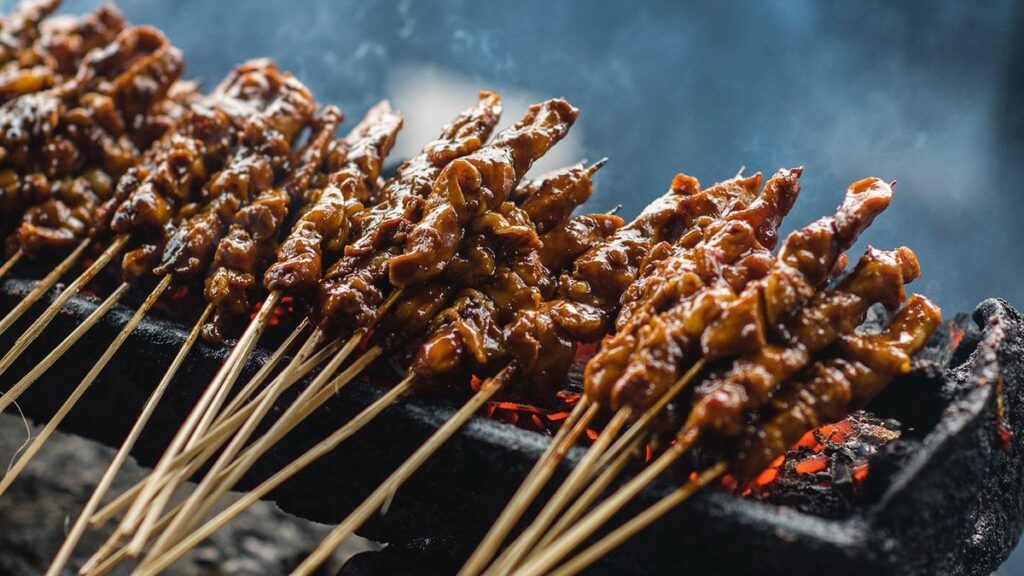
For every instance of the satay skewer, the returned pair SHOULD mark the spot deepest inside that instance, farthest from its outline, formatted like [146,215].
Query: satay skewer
[40,323]
[384,492]
[864,367]
[281,107]
[159,64]
[82,522]
[696,209]
[469,131]
[11,262]
[864,200]
[554,114]
[878,277]
[307,165]
[355,178]
[82,387]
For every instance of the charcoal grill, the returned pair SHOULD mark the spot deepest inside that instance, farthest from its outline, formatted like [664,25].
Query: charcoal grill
[946,498]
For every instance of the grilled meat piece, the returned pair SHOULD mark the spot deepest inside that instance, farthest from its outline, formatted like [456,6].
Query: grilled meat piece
[247,248]
[326,224]
[566,242]
[750,381]
[283,107]
[473,184]
[550,199]
[862,368]
[355,286]
[57,51]
[21,28]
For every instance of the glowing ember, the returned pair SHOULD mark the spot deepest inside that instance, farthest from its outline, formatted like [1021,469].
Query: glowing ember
[531,417]
[831,460]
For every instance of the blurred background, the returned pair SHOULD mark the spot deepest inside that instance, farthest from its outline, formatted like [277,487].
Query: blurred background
[928,94]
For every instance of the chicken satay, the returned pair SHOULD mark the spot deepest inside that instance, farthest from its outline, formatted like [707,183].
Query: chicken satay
[326,225]
[672,274]
[601,276]
[248,247]
[500,270]
[54,56]
[661,278]
[355,286]
[729,324]
[862,367]
[283,106]
[474,184]
[67,215]
[656,345]
[507,314]
[749,383]
[511,287]
[85,119]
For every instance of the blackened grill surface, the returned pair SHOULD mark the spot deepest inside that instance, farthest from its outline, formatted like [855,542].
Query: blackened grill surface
[948,500]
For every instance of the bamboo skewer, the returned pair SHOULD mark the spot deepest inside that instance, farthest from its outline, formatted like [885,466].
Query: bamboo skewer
[594,490]
[44,319]
[637,523]
[190,512]
[322,448]
[246,392]
[571,487]
[617,451]
[582,414]
[82,522]
[11,262]
[110,552]
[604,512]
[239,355]
[643,423]
[221,387]
[344,352]
[212,487]
[11,395]
[221,429]
[43,286]
[386,490]
[182,439]
[308,400]
[84,385]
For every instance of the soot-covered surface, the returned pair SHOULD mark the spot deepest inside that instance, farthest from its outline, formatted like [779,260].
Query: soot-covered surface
[946,499]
